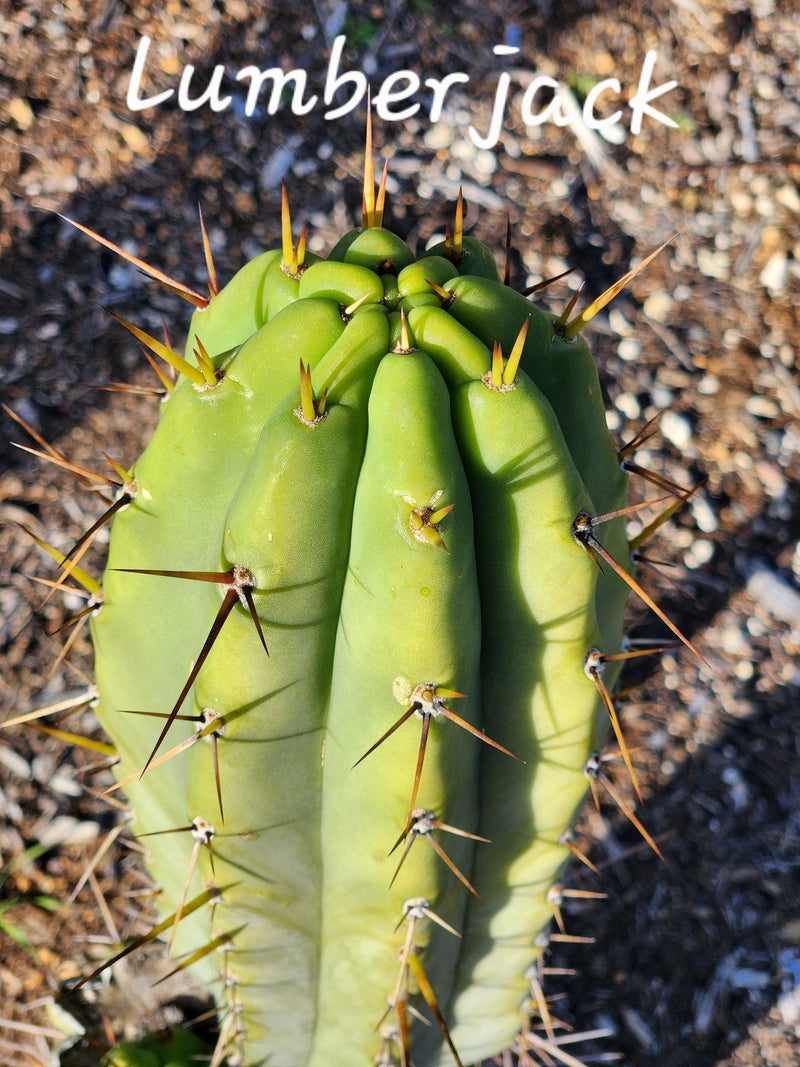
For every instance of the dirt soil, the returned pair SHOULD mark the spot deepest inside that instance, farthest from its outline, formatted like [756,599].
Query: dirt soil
[696,959]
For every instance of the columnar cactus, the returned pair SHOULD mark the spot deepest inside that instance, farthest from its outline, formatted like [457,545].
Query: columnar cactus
[361,615]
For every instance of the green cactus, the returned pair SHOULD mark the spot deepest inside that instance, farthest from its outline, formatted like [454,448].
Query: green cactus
[172,1048]
[338,618]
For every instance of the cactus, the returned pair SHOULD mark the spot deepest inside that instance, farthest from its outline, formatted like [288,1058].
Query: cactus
[175,1048]
[372,600]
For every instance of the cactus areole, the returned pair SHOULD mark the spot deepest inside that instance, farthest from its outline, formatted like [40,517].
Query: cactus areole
[352,629]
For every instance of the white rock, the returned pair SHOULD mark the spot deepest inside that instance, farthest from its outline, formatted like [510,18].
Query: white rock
[629,349]
[677,429]
[658,305]
[788,196]
[775,273]
[64,830]
[704,515]
[628,405]
[714,264]
[763,407]
[14,762]
[776,595]
[618,323]
[789,1007]
[700,553]
[485,162]
[66,785]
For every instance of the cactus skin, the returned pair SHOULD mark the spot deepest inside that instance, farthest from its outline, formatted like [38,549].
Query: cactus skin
[414,537]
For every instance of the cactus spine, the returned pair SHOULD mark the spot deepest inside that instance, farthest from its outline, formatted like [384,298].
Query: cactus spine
[355,641]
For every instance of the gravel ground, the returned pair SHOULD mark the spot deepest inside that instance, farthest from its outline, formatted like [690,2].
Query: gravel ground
[696,960]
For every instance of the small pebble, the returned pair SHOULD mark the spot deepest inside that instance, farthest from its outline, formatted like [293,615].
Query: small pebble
[618,323]
[775,274]
[639,1028]
[744,670]
[704,515]
[485,163]
[789,1007]
[628,405]
[629,349]
[13,813]
[714,264]
[788,196]
[677,429]
[14,762]
[776,595]
[279,165]
[750,978]
[658,305]
[41,768]
[661,397]
[64,830]
[21,112]
[136,139]
[700,553]
[741,203]
[733,642]
[737,788]
[65,784]
[708,385]
[615,134]
[121,276]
